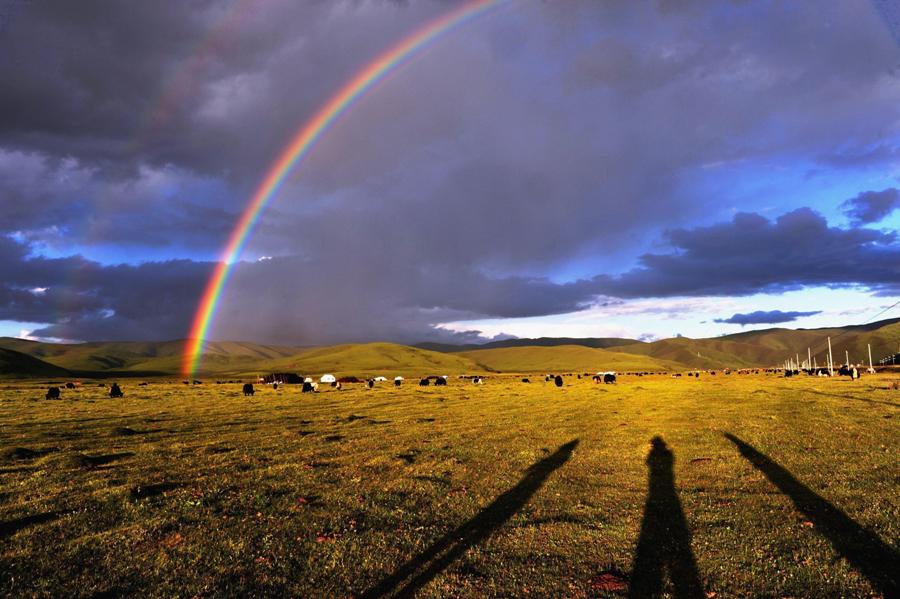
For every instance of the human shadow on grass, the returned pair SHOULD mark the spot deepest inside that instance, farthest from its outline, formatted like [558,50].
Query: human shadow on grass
[865,551]
[665,540]
[423,568]
[844,396]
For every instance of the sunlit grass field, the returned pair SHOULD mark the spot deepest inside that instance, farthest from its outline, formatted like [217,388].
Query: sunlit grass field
[726,486]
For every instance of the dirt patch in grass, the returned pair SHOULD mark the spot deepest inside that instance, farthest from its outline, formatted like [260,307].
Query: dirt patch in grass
[609,582]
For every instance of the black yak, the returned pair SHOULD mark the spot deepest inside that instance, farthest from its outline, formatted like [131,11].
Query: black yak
[424,382]
[70,385]
[525,381]
[557,380]
[609,378]
[248,389]
[115,391]
[440,381]
[52,393]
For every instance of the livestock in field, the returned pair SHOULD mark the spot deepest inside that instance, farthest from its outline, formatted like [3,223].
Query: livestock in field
[557,380]
[441,381]
[52,393]
[526,381]
[115,391]
[248,389]
[609,378]
[424,382]
[70,385]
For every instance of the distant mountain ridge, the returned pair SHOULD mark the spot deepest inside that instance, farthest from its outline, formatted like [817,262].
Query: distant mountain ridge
[594,342]
[748,349]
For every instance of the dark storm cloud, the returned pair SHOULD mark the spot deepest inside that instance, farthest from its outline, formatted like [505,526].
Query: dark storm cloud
[765,317]
[752,254]
[88,301]
[459,188]
[878,155]
[60,205]
[313,300]
[871,206]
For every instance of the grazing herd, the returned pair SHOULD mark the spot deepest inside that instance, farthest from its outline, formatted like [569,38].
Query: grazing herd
[114,390]
[308,385]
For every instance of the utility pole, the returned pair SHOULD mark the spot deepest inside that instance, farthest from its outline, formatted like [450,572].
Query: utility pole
[809,361]
[847,358]
[830,362]
[871,366]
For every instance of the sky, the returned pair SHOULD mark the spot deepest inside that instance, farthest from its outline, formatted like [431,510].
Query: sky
[570,168]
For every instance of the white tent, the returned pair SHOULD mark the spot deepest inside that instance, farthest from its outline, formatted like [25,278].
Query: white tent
[327,378]
[398,378]
[307,380]
[380,379]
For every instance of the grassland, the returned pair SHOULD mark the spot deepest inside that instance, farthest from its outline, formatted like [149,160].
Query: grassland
[563,358]
[755,486]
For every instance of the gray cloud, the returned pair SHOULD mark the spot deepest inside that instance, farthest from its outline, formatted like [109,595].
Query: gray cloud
[300,299]
[872,206]
[462,187]
[765,317]
[752,254]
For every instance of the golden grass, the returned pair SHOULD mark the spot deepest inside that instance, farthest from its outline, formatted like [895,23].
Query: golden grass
[505,489]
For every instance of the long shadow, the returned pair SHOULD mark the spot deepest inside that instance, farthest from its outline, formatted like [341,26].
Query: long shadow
[838,396]
[665,541]
[13,526]
[865,551]
[420,570]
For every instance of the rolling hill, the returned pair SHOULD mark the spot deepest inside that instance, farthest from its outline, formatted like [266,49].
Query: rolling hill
[770,347]
[14,364]
[761,348]
[595,342]
[563,358]
[373,359]
[148,357]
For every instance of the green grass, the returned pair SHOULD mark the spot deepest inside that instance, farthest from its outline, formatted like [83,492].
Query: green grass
[507,489]
[375,359]
[564,358]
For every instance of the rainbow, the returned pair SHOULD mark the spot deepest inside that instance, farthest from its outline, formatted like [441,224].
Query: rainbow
[300,145]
